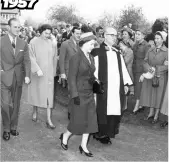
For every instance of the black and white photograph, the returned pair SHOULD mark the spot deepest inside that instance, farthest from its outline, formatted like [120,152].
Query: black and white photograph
[84,80]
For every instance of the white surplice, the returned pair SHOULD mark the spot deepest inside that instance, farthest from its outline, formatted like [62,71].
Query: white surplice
[113,96]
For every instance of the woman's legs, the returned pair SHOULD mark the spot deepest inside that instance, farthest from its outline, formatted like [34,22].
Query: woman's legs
[151,112]
[66,136]
[136,108]
[49,116]
[156,114]
[34,114]
[85,138]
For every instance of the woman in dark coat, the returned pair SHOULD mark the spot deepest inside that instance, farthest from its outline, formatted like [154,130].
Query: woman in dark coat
[139,50]
[83,119]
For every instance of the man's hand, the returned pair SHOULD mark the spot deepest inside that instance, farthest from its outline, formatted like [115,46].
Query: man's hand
[27,80]
[63,80]
[39,73]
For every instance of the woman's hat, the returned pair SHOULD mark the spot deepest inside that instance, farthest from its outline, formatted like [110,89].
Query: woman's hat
[163,34]
[128,30]
[87,37]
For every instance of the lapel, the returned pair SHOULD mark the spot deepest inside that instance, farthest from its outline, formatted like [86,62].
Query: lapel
[86,60]
[72,44]
[9,45]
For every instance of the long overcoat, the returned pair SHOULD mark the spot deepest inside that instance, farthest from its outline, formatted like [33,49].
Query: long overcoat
[83,118]
[43,55]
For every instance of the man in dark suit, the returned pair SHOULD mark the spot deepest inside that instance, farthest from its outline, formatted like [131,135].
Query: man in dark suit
[68,49]
[66,35]
[15,68]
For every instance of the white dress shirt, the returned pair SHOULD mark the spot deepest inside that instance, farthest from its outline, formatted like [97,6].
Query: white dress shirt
[11,39]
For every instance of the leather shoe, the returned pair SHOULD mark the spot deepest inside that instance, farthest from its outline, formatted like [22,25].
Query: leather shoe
[14,132]
[50,126]
[6,136]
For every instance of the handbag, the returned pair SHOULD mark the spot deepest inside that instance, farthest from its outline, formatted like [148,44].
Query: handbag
[155,81]
[98,87]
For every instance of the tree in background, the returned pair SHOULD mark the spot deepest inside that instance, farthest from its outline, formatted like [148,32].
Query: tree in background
[133,15]
[160,25]
[67,14]
[30,22]
[107,19]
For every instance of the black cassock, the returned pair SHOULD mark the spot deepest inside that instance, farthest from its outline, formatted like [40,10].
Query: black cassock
[108,124]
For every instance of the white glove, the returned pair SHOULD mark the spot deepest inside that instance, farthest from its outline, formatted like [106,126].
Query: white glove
[27,80]
[166,63]
[126,89]
[39,73]
[63,76]
[141,78]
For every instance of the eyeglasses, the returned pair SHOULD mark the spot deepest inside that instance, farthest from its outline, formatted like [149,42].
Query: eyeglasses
[112,35]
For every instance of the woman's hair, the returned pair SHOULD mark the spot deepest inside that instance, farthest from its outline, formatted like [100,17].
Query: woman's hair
[149,37]
[75,28]
[158,33]
[44,27]
[85,28]
[128,31]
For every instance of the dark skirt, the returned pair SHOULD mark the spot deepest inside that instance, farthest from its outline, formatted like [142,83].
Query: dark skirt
[83,118]
[137,86]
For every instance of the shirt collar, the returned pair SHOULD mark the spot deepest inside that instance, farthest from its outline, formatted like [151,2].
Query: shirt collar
[11,38]
[162,48]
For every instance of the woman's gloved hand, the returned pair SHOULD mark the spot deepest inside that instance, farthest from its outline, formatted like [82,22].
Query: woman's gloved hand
[76,100]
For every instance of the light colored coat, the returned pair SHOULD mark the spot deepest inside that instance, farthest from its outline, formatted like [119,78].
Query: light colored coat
[43,55]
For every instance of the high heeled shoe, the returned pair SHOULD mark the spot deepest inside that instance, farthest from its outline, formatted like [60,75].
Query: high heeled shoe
[50,126]
[65,147]
[149,117]
[34,118]
[155,121]
[163,124]
[89,154]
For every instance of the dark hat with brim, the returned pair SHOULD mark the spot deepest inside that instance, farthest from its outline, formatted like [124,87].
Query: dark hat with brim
[87,37]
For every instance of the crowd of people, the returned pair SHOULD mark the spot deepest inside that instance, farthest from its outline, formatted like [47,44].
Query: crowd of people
[118,63]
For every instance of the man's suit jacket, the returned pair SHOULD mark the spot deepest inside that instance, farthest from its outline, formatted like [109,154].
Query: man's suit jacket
[67,50]
[17,64]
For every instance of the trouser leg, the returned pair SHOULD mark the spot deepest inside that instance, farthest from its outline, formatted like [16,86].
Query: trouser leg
[16,96]
[6,107]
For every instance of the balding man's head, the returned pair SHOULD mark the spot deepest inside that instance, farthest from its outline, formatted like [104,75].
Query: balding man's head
[110,30]
[110,36]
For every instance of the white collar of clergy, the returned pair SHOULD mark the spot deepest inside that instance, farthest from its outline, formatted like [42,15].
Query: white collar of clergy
[111,48]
